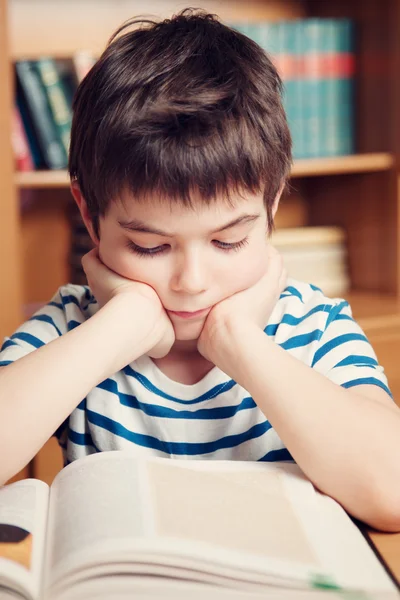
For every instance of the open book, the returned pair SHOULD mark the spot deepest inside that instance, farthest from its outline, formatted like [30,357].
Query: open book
[114,526]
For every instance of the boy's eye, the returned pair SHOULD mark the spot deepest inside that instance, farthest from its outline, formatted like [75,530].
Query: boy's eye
[147,251]
[225,246]
[232,246]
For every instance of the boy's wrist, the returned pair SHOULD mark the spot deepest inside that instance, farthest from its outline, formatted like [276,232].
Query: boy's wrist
[238,347]
[225,345]
[131,333]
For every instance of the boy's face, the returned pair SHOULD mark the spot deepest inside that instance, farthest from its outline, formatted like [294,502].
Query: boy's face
[193,258]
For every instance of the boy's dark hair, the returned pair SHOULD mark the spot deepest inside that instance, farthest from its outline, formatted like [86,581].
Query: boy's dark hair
[175,107]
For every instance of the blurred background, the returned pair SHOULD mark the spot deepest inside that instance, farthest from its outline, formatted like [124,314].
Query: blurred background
[338,228]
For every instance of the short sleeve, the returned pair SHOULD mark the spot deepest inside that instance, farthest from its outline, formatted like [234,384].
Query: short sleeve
[45,325]
[344,354]
[68,308]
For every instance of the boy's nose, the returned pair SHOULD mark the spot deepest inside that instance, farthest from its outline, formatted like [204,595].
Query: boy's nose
[190,276]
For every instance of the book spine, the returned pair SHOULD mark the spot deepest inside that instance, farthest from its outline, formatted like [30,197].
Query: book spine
[35,99]
[289,63]
[344,82]
[269,41]
[22,153]
[334,67]
[36,153]
[268,38]
[253,32]
[312,91]
[57,98]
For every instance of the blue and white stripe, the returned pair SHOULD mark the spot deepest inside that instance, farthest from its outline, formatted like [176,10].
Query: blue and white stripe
[141,409]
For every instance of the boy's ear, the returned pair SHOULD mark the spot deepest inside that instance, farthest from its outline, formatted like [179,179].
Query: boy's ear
[276,201]
[83,209]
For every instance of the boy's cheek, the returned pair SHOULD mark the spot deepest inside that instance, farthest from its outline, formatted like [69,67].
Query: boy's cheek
[250,274]
[122,263]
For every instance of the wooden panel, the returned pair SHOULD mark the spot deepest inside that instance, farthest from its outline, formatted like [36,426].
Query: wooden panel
[388,546]
[10,284]
[293,208]
[62,27]
[366,206]
[375,311]
[45,244]
[48,462]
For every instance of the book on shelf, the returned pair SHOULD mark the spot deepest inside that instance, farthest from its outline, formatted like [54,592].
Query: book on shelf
[316,60]
[22,153]
[315,57]
[115,525]
[57,97]
[288,62]
[316,255]
[37,117]
[45,91]
[327,86]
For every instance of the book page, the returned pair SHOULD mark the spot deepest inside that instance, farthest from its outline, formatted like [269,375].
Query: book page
[268,514]
[245,511]
[255,524]
[92,501]
[23,516]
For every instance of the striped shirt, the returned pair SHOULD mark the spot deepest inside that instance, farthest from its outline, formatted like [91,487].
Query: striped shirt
[141,409]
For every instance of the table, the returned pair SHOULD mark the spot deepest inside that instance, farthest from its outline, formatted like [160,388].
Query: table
[388,545]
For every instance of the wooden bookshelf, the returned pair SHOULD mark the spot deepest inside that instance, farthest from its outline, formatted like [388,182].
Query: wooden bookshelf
[10,276]
[41,179]
[360,193]
[358,163]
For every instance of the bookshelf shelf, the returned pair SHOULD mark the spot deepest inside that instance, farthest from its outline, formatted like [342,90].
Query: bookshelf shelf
[358,163]
[42,179]
[375,312]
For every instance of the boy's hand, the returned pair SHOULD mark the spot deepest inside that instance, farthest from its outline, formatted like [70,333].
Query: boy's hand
[105,284]
[251,306]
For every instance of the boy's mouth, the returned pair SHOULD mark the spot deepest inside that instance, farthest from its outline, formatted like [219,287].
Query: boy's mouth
[189,315]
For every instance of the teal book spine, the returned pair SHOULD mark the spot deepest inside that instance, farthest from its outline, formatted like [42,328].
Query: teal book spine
[57,98]
[269,38]
[37,156]
[38,111]
[312,43]
[337,87]
[290,68]
[344,86]
[327,109]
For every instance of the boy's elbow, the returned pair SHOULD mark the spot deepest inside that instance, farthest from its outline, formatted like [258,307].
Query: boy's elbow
[385,511]
[390,518]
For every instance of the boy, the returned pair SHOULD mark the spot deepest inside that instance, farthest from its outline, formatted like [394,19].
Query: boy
[188,341]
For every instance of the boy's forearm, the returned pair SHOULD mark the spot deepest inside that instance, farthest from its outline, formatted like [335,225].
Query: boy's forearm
[333,433]
[41,389]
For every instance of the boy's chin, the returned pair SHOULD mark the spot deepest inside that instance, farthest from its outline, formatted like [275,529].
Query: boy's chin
[188,331]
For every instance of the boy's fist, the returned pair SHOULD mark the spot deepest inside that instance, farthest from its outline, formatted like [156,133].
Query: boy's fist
[105,284]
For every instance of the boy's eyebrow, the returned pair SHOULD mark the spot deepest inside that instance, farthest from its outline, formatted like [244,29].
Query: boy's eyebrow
[137,225]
